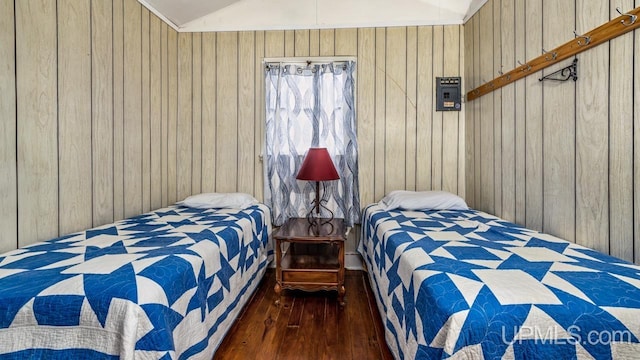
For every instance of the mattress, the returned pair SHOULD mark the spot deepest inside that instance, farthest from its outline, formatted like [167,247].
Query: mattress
[468,285]
[167,284]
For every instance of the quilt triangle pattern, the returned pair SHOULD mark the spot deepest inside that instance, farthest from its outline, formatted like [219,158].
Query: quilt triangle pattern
[166,281]
[489,289]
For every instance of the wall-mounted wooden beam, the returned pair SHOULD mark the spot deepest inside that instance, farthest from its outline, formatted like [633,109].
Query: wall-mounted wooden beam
[603,33]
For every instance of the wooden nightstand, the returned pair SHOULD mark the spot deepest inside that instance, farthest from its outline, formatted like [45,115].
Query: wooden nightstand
[314,259]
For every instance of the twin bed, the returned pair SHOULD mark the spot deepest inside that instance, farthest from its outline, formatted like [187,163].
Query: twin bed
[463,284]
[167,284]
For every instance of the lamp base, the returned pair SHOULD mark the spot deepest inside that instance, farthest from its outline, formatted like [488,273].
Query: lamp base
[316,221]
[314,217]
[317,224]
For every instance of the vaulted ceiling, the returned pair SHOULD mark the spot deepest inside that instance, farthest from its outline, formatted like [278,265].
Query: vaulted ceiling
[233,15]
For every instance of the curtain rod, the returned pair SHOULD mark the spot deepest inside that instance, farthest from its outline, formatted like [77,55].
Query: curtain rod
[309,60]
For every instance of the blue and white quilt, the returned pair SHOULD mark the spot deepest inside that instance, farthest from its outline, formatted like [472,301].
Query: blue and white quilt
[468,285]
[163,285]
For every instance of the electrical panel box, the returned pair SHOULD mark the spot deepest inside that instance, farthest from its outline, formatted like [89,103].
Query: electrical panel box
[448,94]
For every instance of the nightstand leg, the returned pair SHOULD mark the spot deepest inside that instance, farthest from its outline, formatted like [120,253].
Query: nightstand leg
[341,292]
[277,290]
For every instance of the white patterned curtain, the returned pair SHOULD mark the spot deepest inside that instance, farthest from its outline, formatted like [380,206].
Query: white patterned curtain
[310,106]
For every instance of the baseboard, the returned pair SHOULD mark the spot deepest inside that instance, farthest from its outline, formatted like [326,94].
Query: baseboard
[353,261]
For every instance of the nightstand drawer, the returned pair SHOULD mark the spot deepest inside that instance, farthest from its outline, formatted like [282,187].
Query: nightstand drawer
[310,277]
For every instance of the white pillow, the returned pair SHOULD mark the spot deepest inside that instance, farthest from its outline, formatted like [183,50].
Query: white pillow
[422,200]
[219,200]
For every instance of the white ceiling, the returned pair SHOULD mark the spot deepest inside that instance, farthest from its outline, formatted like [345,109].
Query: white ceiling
[234,15]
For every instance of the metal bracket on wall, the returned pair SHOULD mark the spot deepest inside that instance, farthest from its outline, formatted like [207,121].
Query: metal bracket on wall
[622,24]
[566,73]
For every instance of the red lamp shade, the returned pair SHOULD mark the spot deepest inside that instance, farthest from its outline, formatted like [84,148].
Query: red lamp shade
[317,166]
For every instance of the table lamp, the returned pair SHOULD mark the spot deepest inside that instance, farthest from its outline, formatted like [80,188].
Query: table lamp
[317,166]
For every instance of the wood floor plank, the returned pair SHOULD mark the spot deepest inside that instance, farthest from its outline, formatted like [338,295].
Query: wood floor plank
[308,340]
[364,343]
[274,339]
[344,322]
[249,334]
[289,346]
[333,335]
[308,325]
[385,353]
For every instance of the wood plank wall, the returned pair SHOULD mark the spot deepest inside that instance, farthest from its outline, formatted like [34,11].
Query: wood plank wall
[557,157]
[114,113]
[8,134]
[404,143]
[80,115]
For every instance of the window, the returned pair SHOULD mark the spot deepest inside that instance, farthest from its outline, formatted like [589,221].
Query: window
[310,106]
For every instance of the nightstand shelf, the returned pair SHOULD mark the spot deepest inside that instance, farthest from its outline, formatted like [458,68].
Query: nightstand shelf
[309,258]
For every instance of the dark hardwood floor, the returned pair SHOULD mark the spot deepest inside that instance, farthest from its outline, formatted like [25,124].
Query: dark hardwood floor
[308,325]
